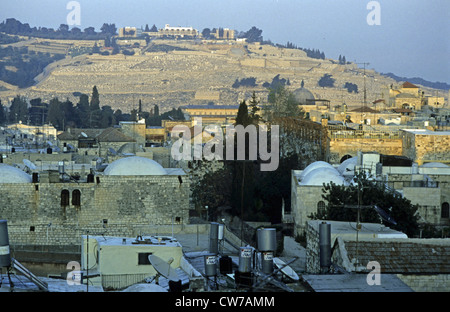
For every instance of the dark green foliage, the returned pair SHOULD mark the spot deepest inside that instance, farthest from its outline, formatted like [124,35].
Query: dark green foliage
[351,87]
[245,82]
[326,81]
[2,114]
[27,65]
[253,35]
[368,193]
[276,82]
[282,103]
[14,27]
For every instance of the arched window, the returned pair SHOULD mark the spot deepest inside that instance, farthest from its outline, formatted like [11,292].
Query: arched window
[445,211]
[65,194]
[76,198]
[321,207]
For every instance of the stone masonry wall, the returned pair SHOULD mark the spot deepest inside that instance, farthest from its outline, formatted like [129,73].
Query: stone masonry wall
[114,206]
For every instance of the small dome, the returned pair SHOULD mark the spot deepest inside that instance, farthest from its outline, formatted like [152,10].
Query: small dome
[134,165]
[304,96]
[319,176]
[9,174]
[315,165]
[130,148]
[347,165]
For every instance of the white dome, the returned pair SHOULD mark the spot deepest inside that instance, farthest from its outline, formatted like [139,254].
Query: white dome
[347,164]
[134,165]
[315,165]
[319,176]
[9,174]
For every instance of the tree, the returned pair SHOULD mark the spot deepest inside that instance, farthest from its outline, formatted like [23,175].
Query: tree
[18,110]
[2,114]
[206,33]
[282,103]
[146,28]
[55,114]
[253,35]
[366,192]
[326,81]
[109,29]
[95,100]
[83,111]
[154,28]
[254,116]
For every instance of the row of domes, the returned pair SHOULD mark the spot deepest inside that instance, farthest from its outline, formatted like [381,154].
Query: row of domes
[128,166]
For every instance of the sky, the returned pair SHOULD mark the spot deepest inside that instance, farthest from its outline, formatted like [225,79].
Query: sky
[409,38]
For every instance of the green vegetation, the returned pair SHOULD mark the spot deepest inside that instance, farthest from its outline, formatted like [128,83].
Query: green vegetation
[351,87]
[19,66]
[326,81]
[367,192]
[87,113]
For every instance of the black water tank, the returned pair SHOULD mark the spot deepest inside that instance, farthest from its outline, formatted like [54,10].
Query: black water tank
[35,177]
[175,286]
[90,178]
[49,150]
[225,265]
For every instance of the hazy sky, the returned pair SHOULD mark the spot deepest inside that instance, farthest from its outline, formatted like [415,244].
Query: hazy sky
[412,39]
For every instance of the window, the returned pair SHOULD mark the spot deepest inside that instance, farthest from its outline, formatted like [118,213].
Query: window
[65,198]
[143,258]
[321,207]
[76,198]
[445,211]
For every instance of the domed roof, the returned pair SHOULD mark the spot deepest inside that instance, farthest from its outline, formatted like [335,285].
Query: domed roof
[302,95]
[131,147]
[319,176]
[134,165]
[315,165]
[9,174]
[347,165]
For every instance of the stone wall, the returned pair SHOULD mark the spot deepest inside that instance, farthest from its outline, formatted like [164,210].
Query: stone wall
[340,147]
[427,283]
[113,205]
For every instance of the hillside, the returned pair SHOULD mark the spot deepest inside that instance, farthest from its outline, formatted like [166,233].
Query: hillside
[195,73]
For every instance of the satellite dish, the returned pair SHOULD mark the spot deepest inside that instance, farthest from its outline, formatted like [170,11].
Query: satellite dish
[84,134]
[112,151]
[29,164]
[285,269]
[163,268]
[384,215]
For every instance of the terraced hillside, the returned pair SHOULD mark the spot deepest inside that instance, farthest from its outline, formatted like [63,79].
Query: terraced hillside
[197,73]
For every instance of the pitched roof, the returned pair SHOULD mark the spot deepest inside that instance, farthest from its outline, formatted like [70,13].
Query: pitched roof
[103,135]
[364,109]
[407,256]
[408,85]
[114,135]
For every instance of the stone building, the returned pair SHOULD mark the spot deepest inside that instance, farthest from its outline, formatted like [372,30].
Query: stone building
[423,146]
[131,195]
[427,186]
[422,264]
[93,141]
[182,32]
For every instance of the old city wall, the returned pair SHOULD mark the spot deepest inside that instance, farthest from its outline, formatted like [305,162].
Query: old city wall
[111,205]
[340,147]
